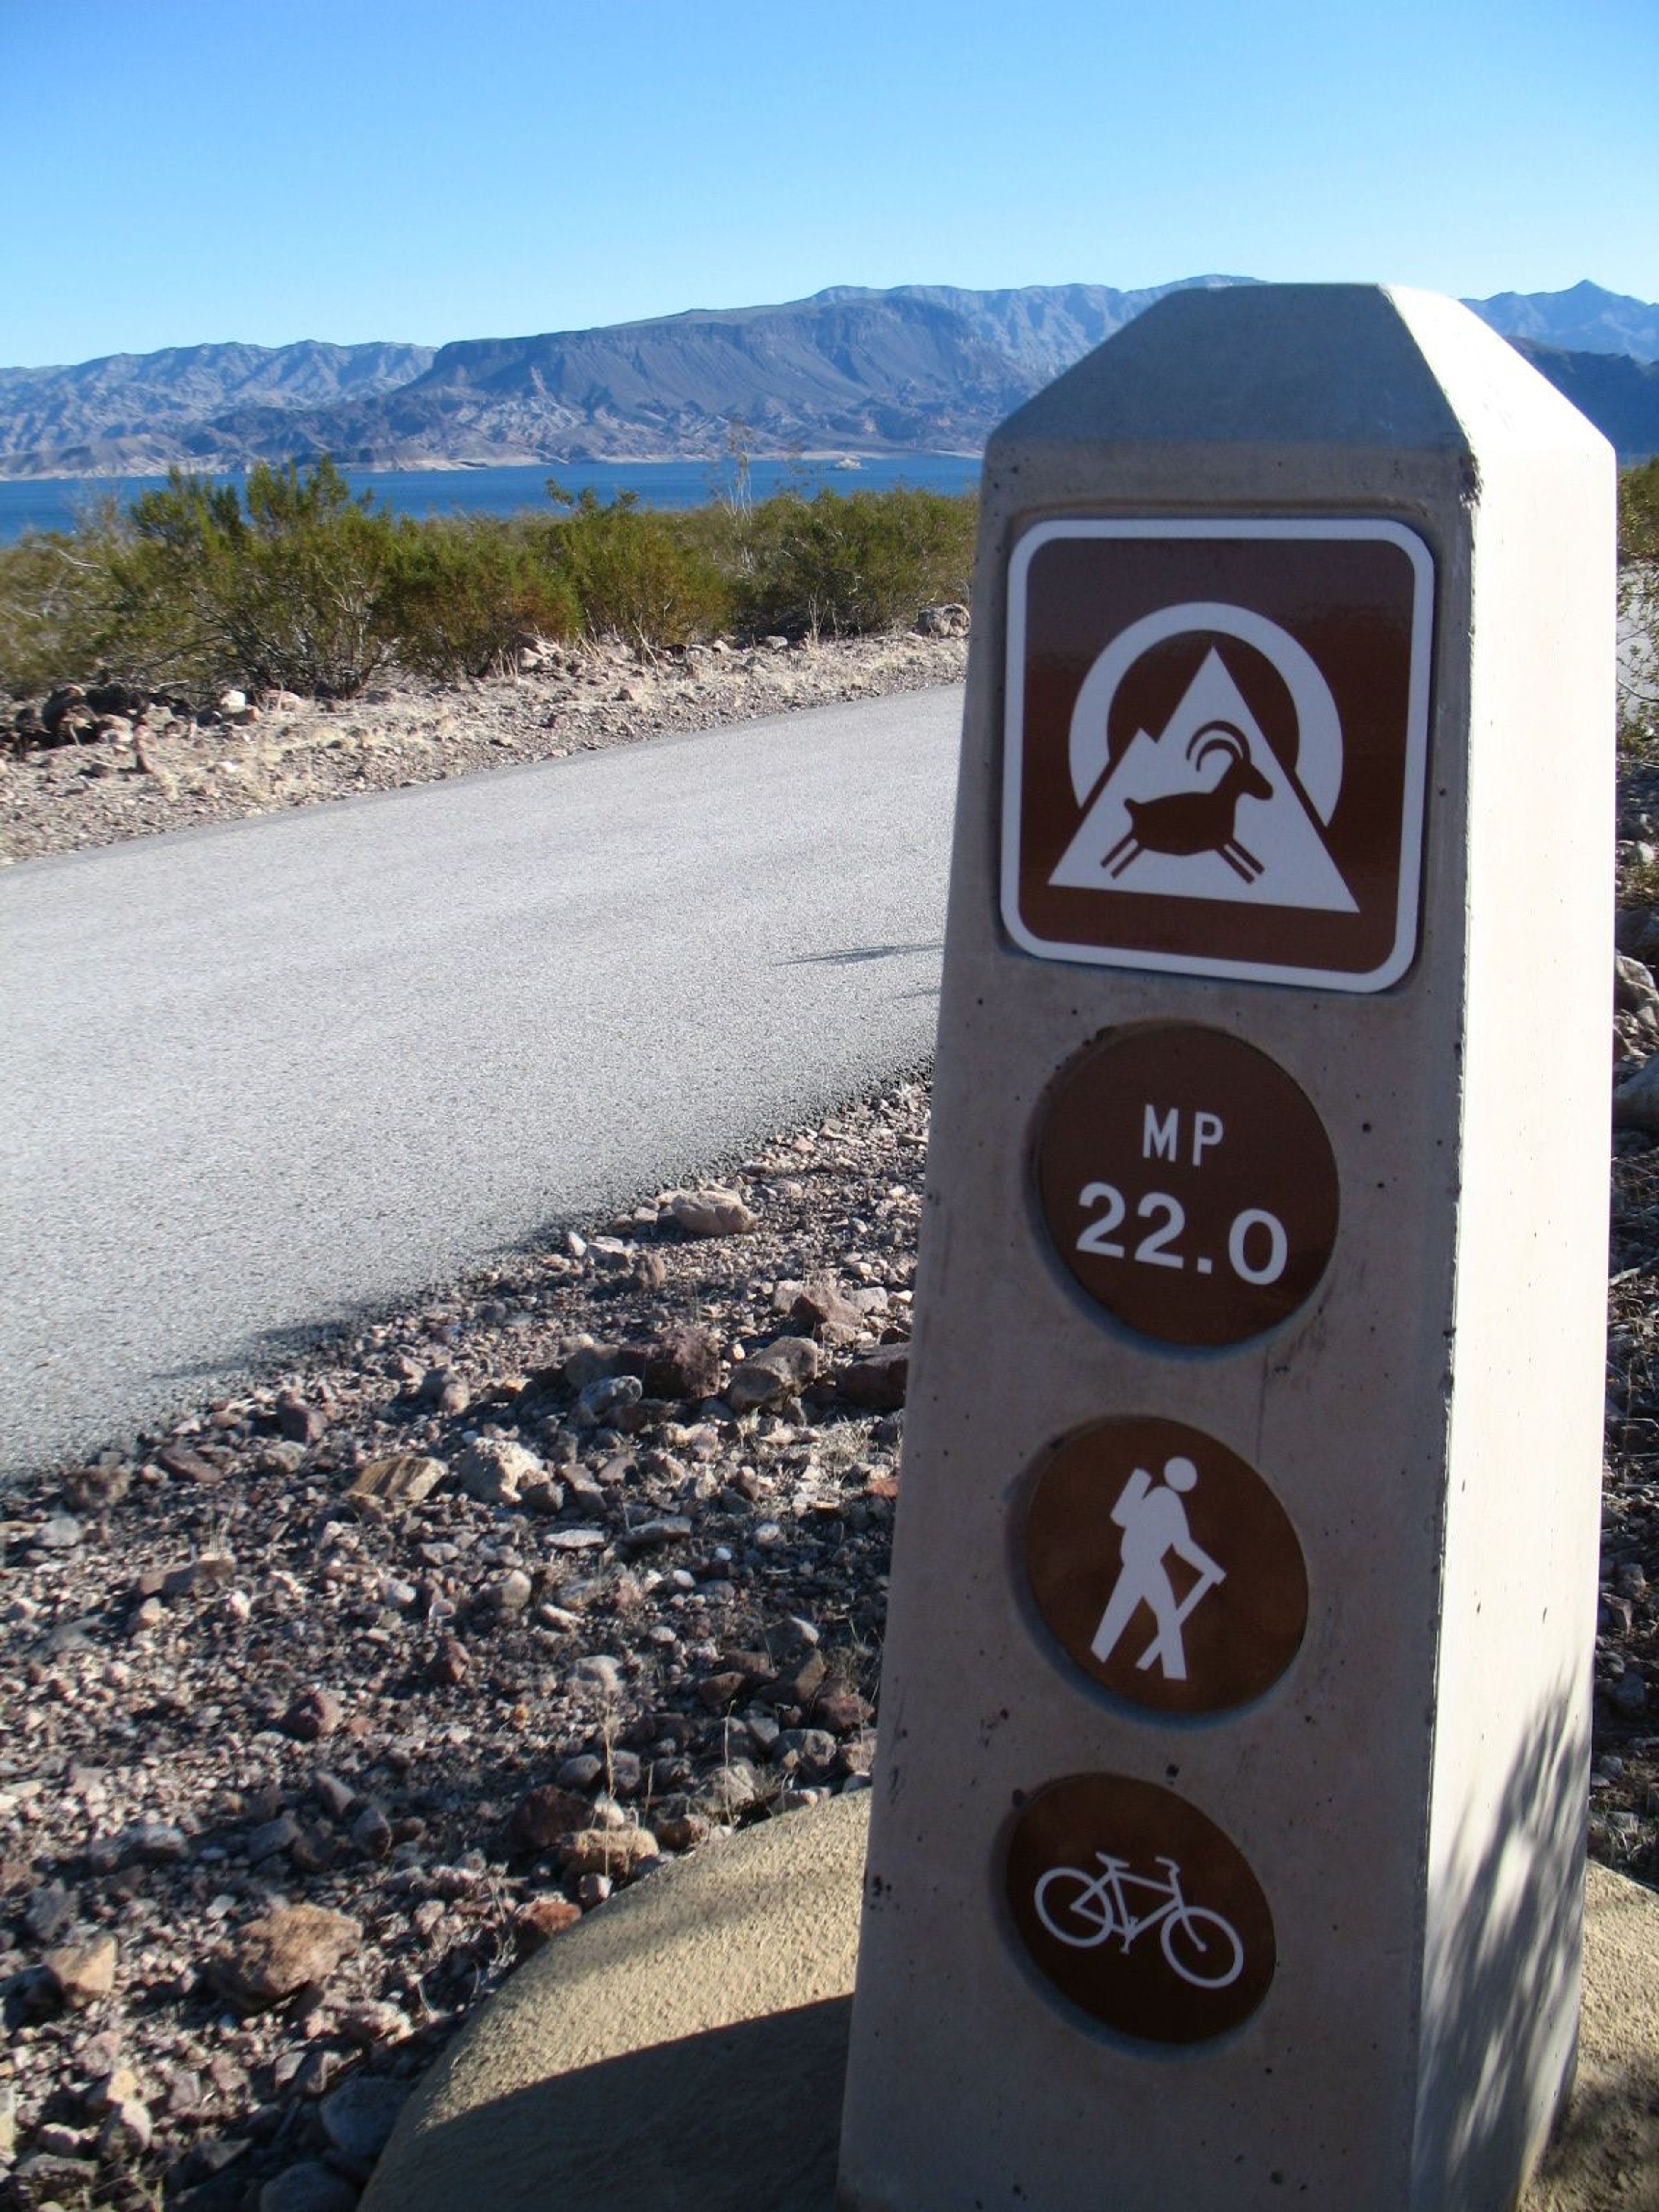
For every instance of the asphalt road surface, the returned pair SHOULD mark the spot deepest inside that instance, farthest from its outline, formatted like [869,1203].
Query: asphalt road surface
[257,1079]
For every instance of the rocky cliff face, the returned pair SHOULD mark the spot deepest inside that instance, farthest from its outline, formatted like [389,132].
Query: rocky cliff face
[925,368]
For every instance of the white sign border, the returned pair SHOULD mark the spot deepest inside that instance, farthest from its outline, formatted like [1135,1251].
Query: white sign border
[1240,527]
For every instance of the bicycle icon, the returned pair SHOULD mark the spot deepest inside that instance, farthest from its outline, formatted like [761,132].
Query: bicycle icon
[1082,1910]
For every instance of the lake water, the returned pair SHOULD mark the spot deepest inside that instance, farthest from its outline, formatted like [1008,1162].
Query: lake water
[54,503]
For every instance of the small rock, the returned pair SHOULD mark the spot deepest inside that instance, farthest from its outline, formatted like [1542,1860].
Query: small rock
[405,1479]
[126,2131]
[1630,1695]
[300,1423]
[272,1957]
[82,1973]
[371,2020]
[311,2187]
[582,1772]
[781,1371]
[602,1400]
[593,1889]
[542,1817]
[646,1535]
[811,1749]
[494,1470]
[271,1837]
[544,1917]
[820,1304]
[682,1363]
[371,1831]
[600,1668]
[878,1382]
[63,1533]
[681,1831]
[841,1711]
[712,1213]
[513,1593]
[189,1465]
[49,1911]
[732,1789]
[313,1714]
[950,619]
[359,2116]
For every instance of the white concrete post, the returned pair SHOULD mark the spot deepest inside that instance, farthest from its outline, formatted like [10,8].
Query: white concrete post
[1227,1838]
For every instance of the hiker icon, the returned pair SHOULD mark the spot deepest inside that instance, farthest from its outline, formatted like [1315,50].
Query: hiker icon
[1154,1524]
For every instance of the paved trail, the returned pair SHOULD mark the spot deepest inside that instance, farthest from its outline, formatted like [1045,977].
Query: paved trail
[259,1078]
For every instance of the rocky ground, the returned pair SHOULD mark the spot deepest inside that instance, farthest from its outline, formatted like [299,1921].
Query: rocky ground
[86,770]
[332,1701]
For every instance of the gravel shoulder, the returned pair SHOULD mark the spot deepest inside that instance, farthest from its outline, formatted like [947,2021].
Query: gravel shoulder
[136,767]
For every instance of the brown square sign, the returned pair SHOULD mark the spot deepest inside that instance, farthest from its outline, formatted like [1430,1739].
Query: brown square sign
[1216,746]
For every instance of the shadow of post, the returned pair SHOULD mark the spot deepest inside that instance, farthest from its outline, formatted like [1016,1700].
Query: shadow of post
[1501,1975]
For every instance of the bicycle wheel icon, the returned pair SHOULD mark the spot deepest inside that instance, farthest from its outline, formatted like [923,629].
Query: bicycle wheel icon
[1203,1948]
[1075,1908]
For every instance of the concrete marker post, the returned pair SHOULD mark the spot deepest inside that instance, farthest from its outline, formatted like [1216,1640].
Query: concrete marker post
[1227,1838]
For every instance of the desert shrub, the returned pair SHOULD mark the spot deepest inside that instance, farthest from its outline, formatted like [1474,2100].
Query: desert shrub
[846,565]
[1639,607]
[464,596]
[640,573]
[284,587]
[293,584]
[54,594]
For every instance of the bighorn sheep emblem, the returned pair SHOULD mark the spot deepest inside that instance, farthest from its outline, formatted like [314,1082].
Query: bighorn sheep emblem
[1183,823]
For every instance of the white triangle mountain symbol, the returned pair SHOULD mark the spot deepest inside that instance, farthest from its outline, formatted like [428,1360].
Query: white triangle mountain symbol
[1255,849]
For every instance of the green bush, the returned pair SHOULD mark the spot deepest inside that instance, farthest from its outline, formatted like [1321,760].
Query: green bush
[636,573]
[289,595]
[293,584]
[464,596]
[54,594]
[1638,605]
[846,565]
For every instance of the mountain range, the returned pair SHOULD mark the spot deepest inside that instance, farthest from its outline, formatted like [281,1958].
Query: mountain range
[920,368]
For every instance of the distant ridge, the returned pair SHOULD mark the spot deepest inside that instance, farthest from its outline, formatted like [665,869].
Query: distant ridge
[917,368]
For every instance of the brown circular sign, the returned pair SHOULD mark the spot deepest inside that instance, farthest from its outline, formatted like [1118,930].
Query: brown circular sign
[1187,1183]
[1138,1908]
[1165,1567]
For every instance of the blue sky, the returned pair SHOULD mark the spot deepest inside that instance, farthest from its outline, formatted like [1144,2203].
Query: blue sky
[178,171]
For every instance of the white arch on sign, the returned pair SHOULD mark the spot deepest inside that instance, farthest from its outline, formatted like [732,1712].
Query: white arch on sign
[1318,763]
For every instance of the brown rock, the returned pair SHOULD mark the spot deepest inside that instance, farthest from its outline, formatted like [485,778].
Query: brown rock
[712,1213]
[542,1817]
[272,1957]
[542,1917]
[717,1692]
[821,1305]
[681,1831]
[83,1972]
[682,1362]
[841,1711]
[189,1465]
[405,1478]
[877,1382]
[300,1423]
[313,1714]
